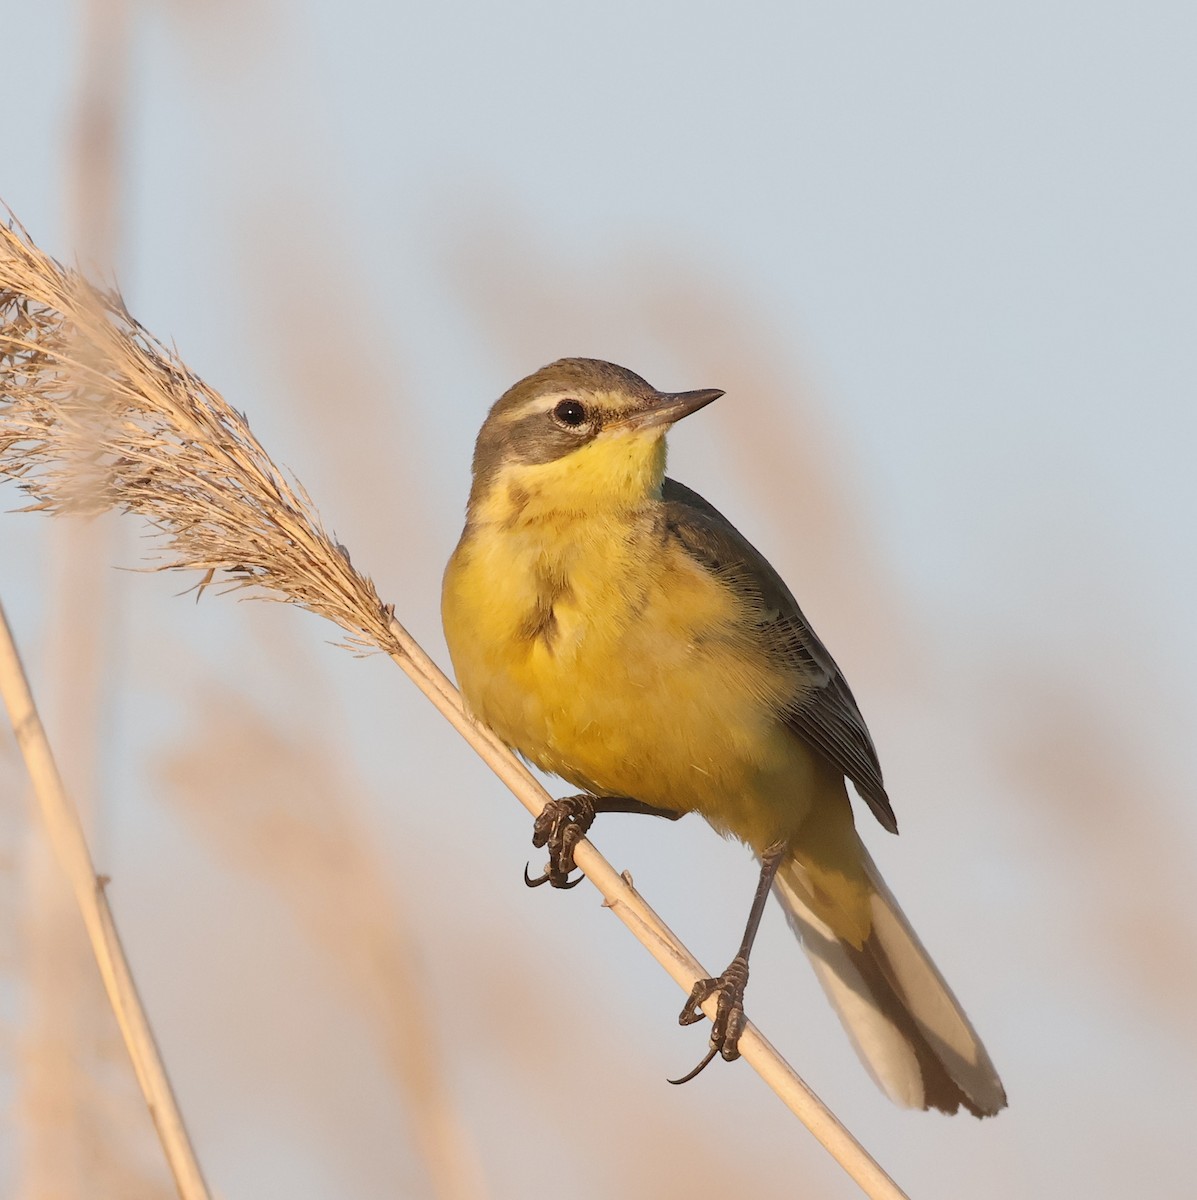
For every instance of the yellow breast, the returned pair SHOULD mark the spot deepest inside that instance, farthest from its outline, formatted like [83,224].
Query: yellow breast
[602,652]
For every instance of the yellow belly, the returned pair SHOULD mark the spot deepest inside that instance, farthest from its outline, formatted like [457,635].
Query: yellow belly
[623,667]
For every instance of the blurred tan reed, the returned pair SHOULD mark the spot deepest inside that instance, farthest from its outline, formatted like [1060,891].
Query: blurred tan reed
[82,1124]
[336,387]
[96,145]
[1100,803]
[81,598]
[282,816]
[95,411]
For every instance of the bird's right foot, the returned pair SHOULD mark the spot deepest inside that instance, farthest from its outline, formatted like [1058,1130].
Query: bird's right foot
[562,824]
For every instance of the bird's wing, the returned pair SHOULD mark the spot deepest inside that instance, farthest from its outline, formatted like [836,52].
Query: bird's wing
[824,712]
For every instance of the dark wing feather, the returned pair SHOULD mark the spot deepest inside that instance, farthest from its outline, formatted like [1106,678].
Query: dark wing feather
[823,713]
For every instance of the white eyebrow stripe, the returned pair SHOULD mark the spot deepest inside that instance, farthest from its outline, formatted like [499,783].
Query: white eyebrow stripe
[539,404]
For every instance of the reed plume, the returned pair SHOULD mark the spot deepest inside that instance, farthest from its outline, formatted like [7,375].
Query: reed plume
[96,413]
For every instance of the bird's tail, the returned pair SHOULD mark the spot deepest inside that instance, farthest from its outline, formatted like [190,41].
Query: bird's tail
[906,1025]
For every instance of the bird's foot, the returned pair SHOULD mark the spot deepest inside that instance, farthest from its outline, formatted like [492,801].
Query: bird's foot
[729,1012]
[561,825]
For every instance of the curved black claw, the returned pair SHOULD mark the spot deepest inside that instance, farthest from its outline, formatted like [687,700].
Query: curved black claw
[561,825]
[547,878]
[729,1013]
[710,1054]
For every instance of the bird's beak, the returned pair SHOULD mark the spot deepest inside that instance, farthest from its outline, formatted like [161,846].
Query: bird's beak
[667,407]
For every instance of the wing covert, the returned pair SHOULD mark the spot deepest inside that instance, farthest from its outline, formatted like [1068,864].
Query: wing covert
[825,714]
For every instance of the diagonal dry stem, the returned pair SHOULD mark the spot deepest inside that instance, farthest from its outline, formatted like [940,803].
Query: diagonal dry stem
[70,846]
[169,448]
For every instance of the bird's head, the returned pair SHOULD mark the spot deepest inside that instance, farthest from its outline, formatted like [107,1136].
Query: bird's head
[580,436]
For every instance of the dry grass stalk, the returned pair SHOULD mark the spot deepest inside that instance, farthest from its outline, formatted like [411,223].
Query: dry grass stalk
[172,450]
[70,846]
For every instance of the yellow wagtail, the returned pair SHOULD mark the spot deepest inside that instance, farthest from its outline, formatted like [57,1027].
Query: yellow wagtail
[615,629]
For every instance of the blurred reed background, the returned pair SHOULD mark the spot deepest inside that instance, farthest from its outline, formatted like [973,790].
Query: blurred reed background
[942,262]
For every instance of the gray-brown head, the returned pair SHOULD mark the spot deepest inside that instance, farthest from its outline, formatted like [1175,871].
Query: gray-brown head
[579,434]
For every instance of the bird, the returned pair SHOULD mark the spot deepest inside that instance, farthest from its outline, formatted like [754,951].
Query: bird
[616,630]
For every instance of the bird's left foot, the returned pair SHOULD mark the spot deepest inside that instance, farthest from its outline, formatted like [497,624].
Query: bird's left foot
[729,1012]
[561,825]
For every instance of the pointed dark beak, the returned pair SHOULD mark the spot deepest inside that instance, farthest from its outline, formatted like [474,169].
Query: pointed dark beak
[667,407]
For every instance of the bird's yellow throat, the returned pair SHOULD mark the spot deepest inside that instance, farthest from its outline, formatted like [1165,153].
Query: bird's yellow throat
[612,475]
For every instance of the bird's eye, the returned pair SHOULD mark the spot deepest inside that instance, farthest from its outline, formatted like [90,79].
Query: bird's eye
[570,413]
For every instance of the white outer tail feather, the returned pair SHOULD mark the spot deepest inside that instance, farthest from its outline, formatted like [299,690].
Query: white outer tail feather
[898,1011]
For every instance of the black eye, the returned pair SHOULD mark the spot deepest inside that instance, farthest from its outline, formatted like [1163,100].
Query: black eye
[571,413]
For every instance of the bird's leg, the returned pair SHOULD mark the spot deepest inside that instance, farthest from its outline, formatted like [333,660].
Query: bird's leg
[729,1013]
[563,823]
